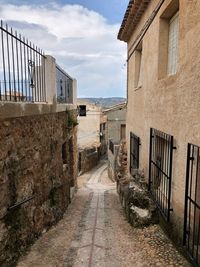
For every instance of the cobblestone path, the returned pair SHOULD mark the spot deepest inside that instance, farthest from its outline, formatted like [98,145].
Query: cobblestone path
[94,232]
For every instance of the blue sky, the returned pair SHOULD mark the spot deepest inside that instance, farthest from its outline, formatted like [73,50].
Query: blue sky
[81,35]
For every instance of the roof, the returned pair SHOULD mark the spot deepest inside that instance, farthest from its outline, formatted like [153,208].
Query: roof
[115,107]
[131,18]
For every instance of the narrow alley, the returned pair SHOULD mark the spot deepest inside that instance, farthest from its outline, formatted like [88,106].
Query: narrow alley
[94,232]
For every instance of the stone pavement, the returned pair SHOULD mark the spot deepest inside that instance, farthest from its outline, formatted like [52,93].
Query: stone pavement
[94,232]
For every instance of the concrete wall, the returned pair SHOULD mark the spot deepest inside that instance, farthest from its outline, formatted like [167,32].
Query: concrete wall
[167,103]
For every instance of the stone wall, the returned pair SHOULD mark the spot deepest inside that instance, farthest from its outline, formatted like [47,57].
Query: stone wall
[112,158]
[88,159]
[34,178]
[139,208]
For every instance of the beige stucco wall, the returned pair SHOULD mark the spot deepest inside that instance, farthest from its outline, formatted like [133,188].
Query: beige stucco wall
[170,104]
[115,118]
[89,126]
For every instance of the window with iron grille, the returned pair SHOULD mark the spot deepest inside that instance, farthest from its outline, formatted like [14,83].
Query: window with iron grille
[191,237]
[160,170]
[134,152]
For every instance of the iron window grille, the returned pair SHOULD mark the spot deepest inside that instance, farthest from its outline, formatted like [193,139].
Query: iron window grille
[134,152]
[191,237]
[22,75]
[160,170]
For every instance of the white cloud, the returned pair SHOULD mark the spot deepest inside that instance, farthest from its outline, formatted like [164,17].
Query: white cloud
[81,40]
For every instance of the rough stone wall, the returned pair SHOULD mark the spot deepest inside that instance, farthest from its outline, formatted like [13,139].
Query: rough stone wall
[88,159]
[170,103]
[112,158]
[138,206]
[31,171]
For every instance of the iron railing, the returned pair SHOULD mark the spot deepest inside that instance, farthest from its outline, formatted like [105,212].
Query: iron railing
[111,146]
[191,238]
[134,151]
[22,68]
[64,86]
[160,170]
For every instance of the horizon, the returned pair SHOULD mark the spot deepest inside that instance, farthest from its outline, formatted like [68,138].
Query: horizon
[94,57]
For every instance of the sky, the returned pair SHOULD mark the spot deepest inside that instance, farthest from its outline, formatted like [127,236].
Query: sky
[81,35]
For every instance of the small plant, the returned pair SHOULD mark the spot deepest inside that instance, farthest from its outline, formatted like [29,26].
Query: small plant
[72,120]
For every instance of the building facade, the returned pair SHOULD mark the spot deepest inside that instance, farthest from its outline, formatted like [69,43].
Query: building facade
[116,131]
[89,121]
[163,125]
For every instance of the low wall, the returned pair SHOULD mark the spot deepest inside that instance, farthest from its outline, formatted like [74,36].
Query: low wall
[34,178]
[88,159]
[112,158]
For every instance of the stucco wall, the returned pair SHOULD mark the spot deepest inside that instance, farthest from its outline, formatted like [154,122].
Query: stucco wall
[115,119]
[171,103]
[89,126]
[32,170]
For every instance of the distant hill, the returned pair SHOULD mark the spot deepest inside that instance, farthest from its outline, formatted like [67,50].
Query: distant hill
[104,102]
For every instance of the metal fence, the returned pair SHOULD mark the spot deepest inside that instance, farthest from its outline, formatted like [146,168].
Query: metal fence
[191,237]
[22,68]
[111,146]
[160,170]
[64,86]
[134,151]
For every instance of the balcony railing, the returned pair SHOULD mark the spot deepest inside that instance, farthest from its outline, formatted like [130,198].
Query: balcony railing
[22,68]
[64,85]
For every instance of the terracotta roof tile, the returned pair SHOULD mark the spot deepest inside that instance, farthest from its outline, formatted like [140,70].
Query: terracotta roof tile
[132,16]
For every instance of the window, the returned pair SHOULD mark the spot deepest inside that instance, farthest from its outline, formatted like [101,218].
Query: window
[138,66]
[82,110]
[173,44]
[160,170]
[168,40]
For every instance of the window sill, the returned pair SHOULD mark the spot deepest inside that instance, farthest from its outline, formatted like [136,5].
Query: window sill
[169,77]
[138,88]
